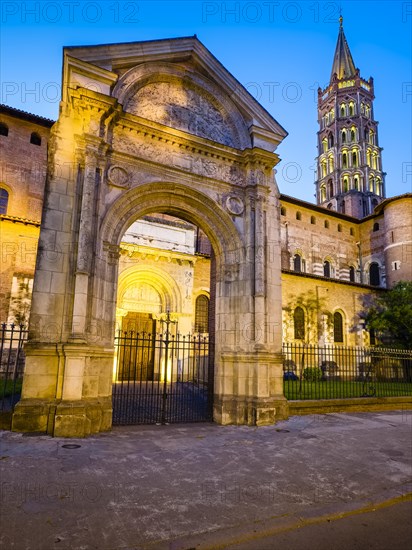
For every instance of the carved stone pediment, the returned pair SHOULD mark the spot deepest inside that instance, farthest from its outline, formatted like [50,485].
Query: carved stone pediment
[184,106]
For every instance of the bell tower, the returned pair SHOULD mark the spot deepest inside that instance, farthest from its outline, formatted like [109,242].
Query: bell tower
[350,179]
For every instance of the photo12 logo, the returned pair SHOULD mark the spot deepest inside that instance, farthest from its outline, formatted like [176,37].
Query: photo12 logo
[69,12]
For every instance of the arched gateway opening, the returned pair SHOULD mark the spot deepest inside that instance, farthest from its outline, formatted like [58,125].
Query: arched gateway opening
[145,129]
[163,367]
[164,337]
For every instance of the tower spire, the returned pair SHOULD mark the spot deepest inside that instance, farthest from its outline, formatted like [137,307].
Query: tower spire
[343,64]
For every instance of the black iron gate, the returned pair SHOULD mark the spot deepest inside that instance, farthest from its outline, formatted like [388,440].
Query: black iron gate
[162,378]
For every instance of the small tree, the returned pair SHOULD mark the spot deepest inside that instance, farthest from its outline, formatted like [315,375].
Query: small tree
[389,314]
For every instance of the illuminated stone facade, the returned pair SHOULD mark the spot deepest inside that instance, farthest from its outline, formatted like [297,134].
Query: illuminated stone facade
[152,144]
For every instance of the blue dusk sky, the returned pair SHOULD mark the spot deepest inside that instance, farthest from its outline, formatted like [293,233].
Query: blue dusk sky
[280,51]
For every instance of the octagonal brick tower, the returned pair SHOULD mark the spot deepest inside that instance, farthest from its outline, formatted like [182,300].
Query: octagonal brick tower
[349,165]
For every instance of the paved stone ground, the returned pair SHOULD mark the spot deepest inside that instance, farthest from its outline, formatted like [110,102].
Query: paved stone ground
[189,486]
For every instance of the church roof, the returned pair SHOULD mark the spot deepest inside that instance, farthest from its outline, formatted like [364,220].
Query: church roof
[343,64]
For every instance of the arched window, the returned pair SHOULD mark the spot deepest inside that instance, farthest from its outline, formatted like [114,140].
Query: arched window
[313,220]
[322,193]
[324,168]
[298,216]
[356,182]
[326,268]
[351,108]
[353,134]
[35,139]
[202,314]
[331,141]
[4,129]
[376,226]
[337,327]
[330,188]
[368,157]
[297,263]
[299,323]
[343,136]
[283,211]
[339,228]
[324,145]
[352,274]
[344,160]
[352,231]
[354,159]
[4,200]
[342,110]
[371,137]
[331,163]
[375,161]
[345,184]
[371,184]
[374,276]
[378,185]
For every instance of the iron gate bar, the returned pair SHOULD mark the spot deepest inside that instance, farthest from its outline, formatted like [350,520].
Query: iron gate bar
[162,378]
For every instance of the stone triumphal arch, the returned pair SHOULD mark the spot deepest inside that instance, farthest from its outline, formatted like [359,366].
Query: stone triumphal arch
[153,127]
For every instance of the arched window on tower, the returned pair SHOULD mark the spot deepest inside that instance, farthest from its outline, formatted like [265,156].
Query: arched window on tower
[374,274]
[299,323]
[343,136]
[326,269]
[356,182]
[353,134]
[4,200]
[322,193]
[345,186]
[337,327]
[330,188]
[202,314]
[331,163]
[351,108]
[352,274]
[324,168]
[354,159]
[331,140]
[371,184]
[343,110]
[324,144]
[378,186]
[375,161]
[368,157]
[344,160]
[371,137]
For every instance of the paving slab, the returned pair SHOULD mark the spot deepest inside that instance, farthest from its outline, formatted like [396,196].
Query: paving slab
[186,486]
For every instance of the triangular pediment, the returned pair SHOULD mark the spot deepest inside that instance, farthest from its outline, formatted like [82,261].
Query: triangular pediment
[135,72]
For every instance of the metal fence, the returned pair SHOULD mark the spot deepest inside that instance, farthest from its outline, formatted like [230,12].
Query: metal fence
[12,361]
[339,372]
[162,378]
